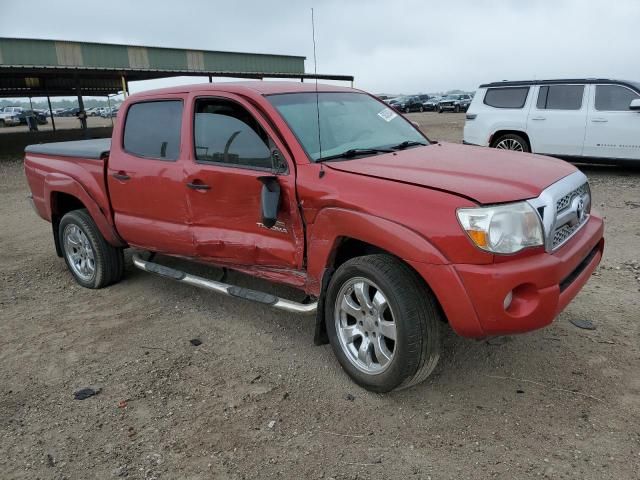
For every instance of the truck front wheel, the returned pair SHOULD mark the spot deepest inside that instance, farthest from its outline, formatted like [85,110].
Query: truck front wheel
[92,261]
[383,323]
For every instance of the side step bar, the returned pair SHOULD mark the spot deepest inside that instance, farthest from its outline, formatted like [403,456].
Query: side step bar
[224,288]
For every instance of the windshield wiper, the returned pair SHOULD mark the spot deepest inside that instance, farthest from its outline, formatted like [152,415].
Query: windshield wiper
[407,143]
[354,152]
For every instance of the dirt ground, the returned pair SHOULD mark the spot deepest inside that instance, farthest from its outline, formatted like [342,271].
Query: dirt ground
[258,400]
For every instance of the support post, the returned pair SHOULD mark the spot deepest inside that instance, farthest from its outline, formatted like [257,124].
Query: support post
[109,106]
[125,89]
[30,104]
[82,116]
[53,122]
[210,78]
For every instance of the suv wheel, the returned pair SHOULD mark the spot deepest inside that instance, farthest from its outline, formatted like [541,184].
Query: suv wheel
[511,141]
[383,323]
[421,109]
[90,259]
[440,110]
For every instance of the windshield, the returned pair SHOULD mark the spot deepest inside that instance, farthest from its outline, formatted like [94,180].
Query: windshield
[348,120]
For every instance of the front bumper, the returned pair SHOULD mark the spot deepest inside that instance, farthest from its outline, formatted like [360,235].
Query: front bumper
[542,285]
[11,122]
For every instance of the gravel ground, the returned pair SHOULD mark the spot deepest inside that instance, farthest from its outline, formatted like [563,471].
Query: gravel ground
[257,400]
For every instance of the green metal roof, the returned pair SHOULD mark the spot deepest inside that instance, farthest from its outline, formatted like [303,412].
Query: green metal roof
[54,53]
[30,67]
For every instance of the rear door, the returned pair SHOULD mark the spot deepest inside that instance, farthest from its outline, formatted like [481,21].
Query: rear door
[146,177]
[613,130]
[232,148]
[557,120]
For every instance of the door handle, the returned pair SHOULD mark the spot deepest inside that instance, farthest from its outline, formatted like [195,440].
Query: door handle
[538,118]
[198,186]
[123,177]
[599,120]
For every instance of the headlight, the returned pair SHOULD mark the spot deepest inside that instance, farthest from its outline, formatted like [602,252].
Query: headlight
[503,228]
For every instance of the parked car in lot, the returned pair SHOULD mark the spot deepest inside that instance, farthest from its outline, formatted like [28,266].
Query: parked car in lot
[580,119]
[93,112]
[454,103]
[239,176]
[10,116]
[431,104]
[411,103]
[40,117]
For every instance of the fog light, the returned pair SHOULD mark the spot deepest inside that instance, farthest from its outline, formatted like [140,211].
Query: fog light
[507,300]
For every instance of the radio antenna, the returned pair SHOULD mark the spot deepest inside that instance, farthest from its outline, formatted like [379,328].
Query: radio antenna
[315,71]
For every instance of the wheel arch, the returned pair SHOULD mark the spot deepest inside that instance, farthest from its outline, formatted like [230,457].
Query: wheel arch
[499,133]
[66,194]
[338,235]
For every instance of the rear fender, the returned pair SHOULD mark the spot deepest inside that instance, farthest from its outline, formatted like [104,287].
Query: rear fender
[59,183]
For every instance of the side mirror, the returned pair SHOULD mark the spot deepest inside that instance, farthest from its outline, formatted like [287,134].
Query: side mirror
[635,104]
[269,200]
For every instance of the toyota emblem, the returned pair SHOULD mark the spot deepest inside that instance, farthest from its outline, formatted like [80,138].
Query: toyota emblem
[580,210]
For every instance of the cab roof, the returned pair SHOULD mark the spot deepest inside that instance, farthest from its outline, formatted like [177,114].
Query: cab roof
[247,88]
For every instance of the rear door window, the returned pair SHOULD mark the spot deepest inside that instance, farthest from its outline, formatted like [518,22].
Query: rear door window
[560,97]
[152,129]
[506,97]
[614,98]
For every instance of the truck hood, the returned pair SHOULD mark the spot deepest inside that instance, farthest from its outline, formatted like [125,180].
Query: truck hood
[485,175]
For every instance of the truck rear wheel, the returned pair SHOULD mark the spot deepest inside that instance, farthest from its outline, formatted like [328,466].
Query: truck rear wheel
[92,261]
[383,323]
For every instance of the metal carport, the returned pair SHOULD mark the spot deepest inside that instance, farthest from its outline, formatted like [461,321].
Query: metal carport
[46,68]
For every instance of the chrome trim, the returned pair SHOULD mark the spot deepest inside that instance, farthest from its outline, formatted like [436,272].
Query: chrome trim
[223,288]
[564,203]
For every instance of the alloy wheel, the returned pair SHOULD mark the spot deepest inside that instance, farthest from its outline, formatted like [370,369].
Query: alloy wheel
[365,325]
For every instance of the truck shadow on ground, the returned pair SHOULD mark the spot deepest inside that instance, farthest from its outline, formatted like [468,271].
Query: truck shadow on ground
[463,361]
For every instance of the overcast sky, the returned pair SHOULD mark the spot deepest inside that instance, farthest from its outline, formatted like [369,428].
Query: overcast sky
[407,46]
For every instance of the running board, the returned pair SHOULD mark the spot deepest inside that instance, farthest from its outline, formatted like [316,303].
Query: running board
[224,288]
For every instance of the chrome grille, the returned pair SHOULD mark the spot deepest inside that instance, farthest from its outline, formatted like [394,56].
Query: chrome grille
[563,208]
[563,234]
[565,201]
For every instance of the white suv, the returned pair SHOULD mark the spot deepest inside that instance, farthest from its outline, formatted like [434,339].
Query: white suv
[578,119]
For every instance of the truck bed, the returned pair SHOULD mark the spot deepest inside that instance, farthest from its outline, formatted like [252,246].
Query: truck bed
[95,149]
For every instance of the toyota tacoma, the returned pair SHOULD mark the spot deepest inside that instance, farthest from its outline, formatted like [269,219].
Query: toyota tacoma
[391,236]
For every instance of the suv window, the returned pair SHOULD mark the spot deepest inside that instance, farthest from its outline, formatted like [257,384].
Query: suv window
[227,133]
[152,129]
[507,97]
[560,97]
[614,98]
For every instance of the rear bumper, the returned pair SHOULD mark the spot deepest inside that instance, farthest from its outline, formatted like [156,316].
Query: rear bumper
[542,285]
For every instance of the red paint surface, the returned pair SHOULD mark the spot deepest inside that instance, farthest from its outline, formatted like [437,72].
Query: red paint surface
[403,203]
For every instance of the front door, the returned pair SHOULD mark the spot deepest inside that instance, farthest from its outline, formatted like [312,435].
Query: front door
[146,178]
[613,130]
[232,148]
[556,121]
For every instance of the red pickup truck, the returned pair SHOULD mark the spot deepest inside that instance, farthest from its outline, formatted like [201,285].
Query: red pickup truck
[390,235]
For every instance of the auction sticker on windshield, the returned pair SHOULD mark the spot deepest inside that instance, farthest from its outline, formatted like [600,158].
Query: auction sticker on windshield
[387,114]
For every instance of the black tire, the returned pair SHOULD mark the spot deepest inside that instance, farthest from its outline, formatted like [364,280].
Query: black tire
[407,110]
[2,124]
[513,137]
[440,110]
[108,260]
[416,315]
[421,109]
